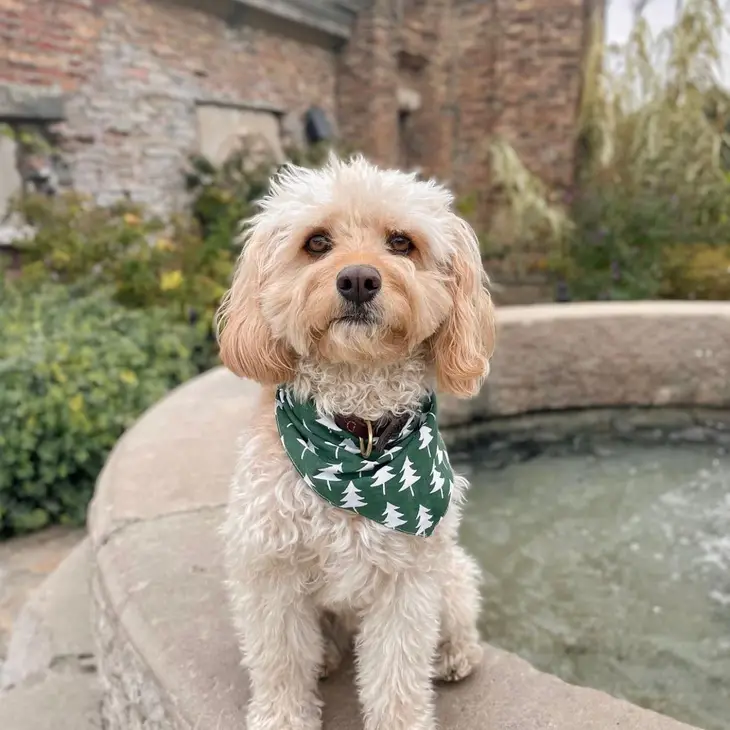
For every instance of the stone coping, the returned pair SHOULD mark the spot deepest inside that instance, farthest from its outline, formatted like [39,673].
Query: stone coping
[167,654]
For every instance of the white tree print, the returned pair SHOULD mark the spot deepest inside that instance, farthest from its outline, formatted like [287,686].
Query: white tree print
[328,423]
[425,435]
[384,475]
[307,446]
[408,476]
[425,521]
[329,474]
[405,428]
[352,499]
[393,518]
[439,455]
[348,445]
[367,465]
[437,481]
[391,452]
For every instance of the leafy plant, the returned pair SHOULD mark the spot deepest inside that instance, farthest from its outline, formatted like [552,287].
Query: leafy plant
[653,156]
[224,195]
[143,261]
[75,371]
[696,272]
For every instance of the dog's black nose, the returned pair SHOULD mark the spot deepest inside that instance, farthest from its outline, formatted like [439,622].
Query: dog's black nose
[358,284]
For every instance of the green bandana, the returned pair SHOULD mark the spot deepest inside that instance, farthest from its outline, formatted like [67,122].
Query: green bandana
[406,488]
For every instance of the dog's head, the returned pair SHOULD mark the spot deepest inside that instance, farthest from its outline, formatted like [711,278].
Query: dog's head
[353,264]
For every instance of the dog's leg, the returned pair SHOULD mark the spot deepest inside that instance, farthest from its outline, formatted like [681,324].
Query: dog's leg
[395,648]
[281,641]
[460,650]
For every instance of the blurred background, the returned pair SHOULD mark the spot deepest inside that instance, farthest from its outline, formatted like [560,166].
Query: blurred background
[587,142]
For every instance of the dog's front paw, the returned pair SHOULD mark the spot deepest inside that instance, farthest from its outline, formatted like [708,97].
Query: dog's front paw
[455,662]
[264,716]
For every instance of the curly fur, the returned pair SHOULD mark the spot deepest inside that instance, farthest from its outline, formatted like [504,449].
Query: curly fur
[306,580]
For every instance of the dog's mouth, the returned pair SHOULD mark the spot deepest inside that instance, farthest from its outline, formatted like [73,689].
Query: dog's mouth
[356,316]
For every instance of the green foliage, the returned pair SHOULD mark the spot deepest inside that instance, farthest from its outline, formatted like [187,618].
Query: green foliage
[224,196]
[696,272]
[143,261]
[652,164]
[112,308]
[75,371]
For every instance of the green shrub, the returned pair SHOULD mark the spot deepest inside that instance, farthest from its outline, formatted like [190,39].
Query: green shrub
[183,264]
[142,261]
[224,195]
[75,371]
[652,165]
[698,271]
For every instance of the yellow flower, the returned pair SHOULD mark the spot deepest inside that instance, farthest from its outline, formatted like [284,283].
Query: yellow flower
[128,377]
[76,403]
[60,257]
[171,280]
[164,244]
[131,219]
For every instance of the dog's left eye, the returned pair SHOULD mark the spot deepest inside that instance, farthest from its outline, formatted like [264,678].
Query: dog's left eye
[398,243]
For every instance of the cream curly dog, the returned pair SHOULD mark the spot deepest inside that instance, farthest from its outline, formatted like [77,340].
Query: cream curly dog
[358,293]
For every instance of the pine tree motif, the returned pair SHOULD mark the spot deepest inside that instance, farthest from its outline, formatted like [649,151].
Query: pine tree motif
[437,481]
[352,499]
[384,475]
[425,521]
[328,423]
[425,437]
[439,455]
[367,465]
[408,476]
[329,474]
[348,445]
[287,394]
[393,518]
[391,452]
[406,428]
[307,446]
[308,481]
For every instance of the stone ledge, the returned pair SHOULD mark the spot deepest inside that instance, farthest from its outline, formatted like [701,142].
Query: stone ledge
[30,104]
[556,357]
[168,657]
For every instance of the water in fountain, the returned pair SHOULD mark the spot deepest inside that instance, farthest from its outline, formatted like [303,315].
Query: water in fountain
[612,570]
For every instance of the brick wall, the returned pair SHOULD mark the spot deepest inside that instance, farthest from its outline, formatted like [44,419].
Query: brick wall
[508,67]
[47,42]
[135,71]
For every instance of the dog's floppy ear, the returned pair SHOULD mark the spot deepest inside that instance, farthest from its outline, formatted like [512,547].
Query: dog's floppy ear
[247,345]
[465,341]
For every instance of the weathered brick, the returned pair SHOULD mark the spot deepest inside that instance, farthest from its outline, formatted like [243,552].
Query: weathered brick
[134,70]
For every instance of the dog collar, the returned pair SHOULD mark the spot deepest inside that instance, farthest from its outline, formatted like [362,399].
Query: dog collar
[395,471]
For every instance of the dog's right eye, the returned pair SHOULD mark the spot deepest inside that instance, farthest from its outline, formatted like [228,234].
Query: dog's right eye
[318,244]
